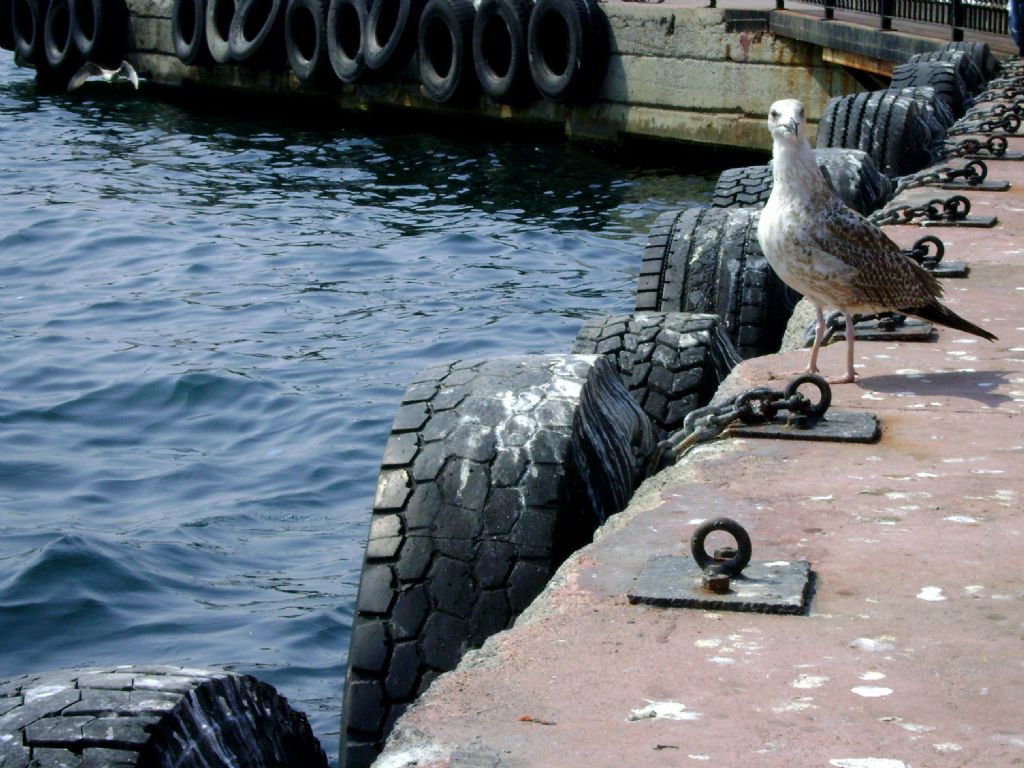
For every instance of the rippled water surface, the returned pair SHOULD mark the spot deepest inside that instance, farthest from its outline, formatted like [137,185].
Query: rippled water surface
[206,322]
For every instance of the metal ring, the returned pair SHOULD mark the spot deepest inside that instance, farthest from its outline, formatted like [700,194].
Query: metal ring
[921,248]
[817,409]
[735,564]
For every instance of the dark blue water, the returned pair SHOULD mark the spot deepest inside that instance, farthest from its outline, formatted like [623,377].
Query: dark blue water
[206,322]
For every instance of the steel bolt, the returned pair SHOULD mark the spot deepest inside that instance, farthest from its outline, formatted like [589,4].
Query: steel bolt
[716,582]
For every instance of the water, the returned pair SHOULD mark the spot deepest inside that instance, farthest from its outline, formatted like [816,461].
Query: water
[206,322]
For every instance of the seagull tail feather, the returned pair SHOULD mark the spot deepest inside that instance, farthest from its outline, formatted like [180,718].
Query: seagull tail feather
[937,313]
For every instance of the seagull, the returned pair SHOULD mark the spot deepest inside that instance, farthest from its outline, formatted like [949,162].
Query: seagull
[93,71]
[831,254]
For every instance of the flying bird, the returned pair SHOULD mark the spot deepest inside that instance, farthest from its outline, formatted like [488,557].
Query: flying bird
[830,253]
[91,71]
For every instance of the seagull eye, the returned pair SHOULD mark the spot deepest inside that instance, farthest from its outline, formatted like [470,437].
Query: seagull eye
[774,115]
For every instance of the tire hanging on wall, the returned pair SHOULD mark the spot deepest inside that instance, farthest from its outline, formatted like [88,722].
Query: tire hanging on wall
[389,39]
[445,49]
[219,14]
[62,55]
[188,31]
[851,172]
[500,55]
[100,29]
[567,44]
[28,18]
[143,715]
[941,75]
[6,26]
[305,39]
[257,33]
[495,471]
[707,260]
[346,22]
[671,362]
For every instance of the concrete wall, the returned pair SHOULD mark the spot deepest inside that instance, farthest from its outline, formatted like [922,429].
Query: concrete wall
[684,74]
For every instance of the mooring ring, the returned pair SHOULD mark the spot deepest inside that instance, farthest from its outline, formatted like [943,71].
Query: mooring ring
[735,564]
[815,410]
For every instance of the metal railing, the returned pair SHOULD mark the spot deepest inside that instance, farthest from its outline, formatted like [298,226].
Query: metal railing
[977,15]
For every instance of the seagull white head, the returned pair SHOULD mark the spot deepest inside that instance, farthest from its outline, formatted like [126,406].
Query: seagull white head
[786,120]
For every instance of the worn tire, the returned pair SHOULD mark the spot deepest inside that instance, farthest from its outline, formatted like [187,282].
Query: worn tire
[567,48]
[932,107]
[28,17]
[886,125]
[495,471]
[671,362]
[257,33]
[62,56]
[852,174]
[500,56]
[100,28]
[446,49]
[980,54]
[150,716]
[389,39]
[974,80]
[346,20]
[941,75]
[219,14]
[305,40]
[708,260]
[188,31]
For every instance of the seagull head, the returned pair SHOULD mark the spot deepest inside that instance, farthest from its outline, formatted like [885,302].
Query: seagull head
[786,120]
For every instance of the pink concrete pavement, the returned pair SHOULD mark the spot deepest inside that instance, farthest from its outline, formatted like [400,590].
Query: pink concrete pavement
[913,651]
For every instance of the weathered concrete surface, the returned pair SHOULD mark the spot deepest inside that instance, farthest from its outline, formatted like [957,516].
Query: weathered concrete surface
[911,654]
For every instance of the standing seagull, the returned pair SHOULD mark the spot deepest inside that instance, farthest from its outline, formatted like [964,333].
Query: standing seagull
[831,254]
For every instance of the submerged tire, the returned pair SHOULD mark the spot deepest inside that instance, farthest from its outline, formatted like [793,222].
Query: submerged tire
[219,14]
[708,260]
[346,20]
[941,75]
[567,46]
[851,172]
[974,80]
[446,49]
[257,32]
[886,125]
[500,55]
[151,716]
[101,30]
[980,54]
[495,471]
[389,39]
[305,39]
[188,31]
[671,363]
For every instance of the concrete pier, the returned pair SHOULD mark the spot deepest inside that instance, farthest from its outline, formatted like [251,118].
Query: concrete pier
[910,654]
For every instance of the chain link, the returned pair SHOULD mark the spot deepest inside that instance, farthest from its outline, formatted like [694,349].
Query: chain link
[1008,122]
[994,145]
[758,405]
[955,208]
[973,174]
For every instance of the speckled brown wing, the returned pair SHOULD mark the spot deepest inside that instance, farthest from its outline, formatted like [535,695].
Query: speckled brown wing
[883,276]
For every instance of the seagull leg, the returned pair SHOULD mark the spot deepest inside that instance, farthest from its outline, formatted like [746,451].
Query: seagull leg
[819,335]
[851,334]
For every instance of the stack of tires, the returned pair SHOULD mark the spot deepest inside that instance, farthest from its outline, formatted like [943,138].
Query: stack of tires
[512,51]
[58,36]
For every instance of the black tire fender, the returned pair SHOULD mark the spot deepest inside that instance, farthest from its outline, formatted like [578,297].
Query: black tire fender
[257,32]
[58,42]
[188,31]
[305,39]
[567,45]
[101,29]
[346,24]
[28,17]
[389,39]
[495,471]
[980,54]
[941,75]
[219,14]
[445,50]
[6,26]
[500,55]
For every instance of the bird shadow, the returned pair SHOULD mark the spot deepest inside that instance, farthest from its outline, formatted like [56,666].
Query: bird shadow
[979,386]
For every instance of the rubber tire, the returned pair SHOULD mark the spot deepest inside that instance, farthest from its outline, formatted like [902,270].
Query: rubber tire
[305,40]
[941,75]
[188,31]
[6,26]
[852,174]
[671,363]
[495,471]
[101,30]
[980,54]
[399,20]
[62,56]
[932,107]
[577,27]
[445,48]
[218,29]
[257,33]
[974,80]
[28,17]
[500,55]
[707,260]
[345,17]
[143,715]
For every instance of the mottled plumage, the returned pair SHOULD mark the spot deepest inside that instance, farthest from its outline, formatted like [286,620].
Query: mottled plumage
[830,253]
[91,71]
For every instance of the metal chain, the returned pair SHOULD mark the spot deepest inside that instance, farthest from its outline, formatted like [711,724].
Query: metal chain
[973,173]
[994,145]
[955,208]
[758,405]
[1008,122]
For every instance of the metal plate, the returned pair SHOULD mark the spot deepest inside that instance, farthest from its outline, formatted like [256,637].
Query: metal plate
[970,221]
[950,269]
[673,581]
[990,156]
[833,427]
[985,186]
[911,329]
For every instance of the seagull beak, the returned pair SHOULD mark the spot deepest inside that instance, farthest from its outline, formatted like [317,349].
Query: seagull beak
[792,126]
